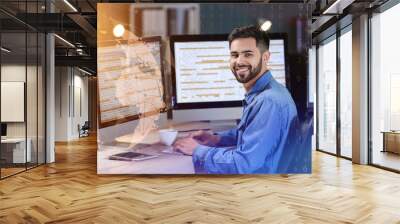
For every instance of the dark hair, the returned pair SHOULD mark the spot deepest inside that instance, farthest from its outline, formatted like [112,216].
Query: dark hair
[261,37]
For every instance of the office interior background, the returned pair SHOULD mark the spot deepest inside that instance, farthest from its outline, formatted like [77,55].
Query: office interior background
[25,49]
[49,86]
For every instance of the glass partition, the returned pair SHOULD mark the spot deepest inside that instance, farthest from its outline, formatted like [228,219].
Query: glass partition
[22,89]
[346,93]
[327,96]
[13,114]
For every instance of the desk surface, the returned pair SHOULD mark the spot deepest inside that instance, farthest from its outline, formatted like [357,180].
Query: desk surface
[165,163]
[13,140]
[390,132]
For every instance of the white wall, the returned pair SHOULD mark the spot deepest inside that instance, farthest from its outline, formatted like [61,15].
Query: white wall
[70,83]
[14,73]
[12,101]
[33,126]
[61,103]
[79,117]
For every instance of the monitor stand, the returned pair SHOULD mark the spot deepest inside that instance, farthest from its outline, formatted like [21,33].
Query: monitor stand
[209,114]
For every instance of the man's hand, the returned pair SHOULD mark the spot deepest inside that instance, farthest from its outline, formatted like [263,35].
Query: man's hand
[206,138]
[186,145]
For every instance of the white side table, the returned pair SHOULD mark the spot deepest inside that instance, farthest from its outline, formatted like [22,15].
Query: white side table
[18,149]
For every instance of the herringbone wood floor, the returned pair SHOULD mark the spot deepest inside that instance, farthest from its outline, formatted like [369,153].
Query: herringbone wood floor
[70,191]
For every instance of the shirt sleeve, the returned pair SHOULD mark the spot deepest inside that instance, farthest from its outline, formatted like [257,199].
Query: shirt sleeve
[260,138]
[227,138]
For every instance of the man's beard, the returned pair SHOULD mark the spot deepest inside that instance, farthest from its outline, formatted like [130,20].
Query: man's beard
[253,72]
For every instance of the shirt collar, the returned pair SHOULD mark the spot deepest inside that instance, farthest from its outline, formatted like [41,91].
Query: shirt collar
[259,86]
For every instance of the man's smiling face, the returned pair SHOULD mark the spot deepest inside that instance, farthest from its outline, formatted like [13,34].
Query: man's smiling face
[246,59]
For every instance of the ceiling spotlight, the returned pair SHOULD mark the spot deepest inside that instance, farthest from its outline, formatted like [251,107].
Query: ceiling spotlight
[65,41]
[5,50]
[337,7]
[85,72]
[70,5]
[118,30]
[266,25]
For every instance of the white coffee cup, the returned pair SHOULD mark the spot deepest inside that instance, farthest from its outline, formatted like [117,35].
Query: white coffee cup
[168,136]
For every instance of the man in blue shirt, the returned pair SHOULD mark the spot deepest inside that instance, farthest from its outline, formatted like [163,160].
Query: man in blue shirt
[267,138]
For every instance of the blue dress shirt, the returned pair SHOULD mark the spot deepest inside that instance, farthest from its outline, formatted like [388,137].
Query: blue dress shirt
[265,141]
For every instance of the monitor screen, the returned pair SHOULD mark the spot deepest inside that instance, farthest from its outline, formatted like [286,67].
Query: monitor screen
[3,129]
[130,80]
[202,76]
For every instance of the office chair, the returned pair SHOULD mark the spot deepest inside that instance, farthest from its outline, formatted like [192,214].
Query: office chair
[84,130]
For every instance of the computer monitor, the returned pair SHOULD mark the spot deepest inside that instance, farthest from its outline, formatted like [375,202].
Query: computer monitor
[130,80]
[3,129]
[201,74]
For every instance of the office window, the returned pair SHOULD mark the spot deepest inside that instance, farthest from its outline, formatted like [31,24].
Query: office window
[346,94]
[385,89]
[327,96]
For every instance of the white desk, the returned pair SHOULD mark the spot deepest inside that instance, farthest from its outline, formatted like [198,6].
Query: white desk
[18,149]
[165,163]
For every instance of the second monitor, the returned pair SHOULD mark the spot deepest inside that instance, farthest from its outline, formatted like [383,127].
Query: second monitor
[201,74]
